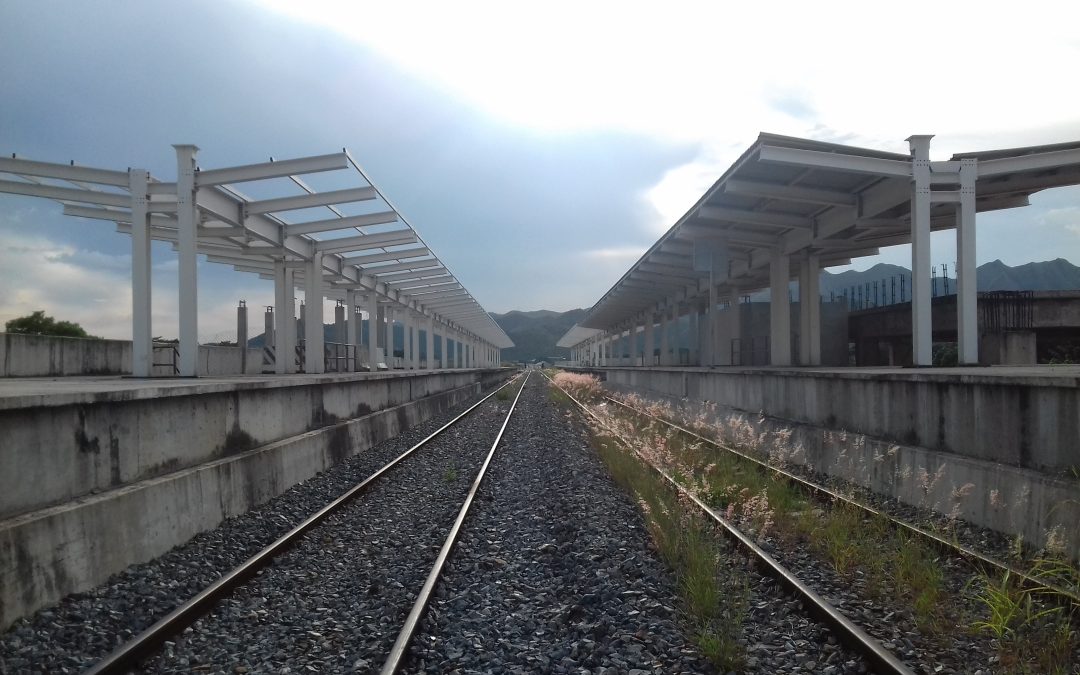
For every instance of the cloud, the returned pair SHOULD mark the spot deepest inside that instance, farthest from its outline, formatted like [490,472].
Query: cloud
[621,254]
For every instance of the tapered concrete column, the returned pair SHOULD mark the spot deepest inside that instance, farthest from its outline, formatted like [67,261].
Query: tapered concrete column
[285,317]
[187,220]
[967,319]
[314,360]
[373,332]
[142,336]
[779,311]
[922,336]
[352,334]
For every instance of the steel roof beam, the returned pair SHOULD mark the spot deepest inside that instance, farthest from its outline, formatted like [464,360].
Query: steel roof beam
[755,217]
[311,200]
[362,260]
[430,264]
[1039,161]
[816,159]
[65,193]
[69,172]
[367,241]
[791,193]
[272,169]
[398,278]
[331,224]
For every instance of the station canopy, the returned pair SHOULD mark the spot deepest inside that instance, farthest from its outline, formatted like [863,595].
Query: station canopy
[366,243]
[787,196]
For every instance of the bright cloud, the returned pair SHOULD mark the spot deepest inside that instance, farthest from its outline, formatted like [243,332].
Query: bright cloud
[718,73]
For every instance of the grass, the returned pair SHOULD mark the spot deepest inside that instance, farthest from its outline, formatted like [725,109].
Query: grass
[451,475]
[504,394]
[714,599]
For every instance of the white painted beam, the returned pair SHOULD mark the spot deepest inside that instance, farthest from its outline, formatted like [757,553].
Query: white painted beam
[754,217]
[308,201]
[817,159]
[365,242]
[405,254]
[791,193]
[331,224]
[272,169]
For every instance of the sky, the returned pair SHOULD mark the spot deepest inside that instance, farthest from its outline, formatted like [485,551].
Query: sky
[539,149]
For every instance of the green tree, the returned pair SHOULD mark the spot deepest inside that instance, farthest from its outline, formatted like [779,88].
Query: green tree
[39,324]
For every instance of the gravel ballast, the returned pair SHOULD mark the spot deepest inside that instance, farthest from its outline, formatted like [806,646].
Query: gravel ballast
[85,627]
[555,573]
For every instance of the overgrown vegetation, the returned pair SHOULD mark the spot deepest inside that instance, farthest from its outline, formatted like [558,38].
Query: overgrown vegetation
[714,597]
[1032,628]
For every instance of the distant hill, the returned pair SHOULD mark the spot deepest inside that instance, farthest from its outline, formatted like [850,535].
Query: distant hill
[1051,275]
[535,333]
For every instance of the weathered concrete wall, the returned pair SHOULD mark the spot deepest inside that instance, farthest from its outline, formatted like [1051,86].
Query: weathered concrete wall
[49,553]
[55,448]
[50,356]
[996,451]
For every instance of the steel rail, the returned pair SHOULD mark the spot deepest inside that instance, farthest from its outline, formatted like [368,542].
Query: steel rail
[820,491]
[127,657]
[396,659]
[851,634]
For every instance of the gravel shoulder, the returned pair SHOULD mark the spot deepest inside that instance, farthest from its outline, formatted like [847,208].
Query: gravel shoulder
[84,627]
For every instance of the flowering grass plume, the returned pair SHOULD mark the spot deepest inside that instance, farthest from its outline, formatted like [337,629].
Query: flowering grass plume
[580,385]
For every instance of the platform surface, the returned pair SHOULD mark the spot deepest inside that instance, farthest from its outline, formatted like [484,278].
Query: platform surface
[1065,375]
[25,392]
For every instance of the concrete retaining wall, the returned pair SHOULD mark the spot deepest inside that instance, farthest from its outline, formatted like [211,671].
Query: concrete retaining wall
[57,448]
[51,552]
[50,356]
[994,451]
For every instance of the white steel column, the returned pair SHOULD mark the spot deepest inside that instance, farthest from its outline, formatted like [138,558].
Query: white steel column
[285,319]
[142,340]
[373,332]
[413,327]
[813,292]
[735,330]
[922,335]
[430,344]
[650,347]
[967,319]
[779,311]
[388,351]
[187,219]
[809,311]
[665,337]
[407,322]
[693,339]
[314,360]
[351,329]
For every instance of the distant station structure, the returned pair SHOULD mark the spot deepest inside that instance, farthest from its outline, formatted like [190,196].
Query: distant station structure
[351,244]
[786,209]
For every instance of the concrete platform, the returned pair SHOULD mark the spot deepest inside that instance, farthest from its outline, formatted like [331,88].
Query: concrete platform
[97,474]
[30,392]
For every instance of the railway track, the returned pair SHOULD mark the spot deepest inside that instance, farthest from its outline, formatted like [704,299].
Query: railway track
[131,655]
[825,494]
[883,660]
